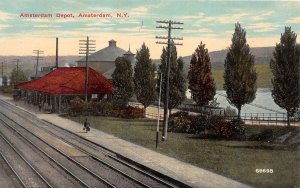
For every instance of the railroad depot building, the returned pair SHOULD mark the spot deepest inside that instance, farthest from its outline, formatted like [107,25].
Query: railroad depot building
[103,60]
[55,90]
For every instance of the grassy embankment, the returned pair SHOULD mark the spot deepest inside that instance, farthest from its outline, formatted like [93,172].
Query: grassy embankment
[263,76]
[235,159]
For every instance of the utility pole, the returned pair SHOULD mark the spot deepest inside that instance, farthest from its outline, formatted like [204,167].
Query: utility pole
[56,55]
[170,39]
[38,53]
[2,73]
[2,69]
[17,69]
[85,48]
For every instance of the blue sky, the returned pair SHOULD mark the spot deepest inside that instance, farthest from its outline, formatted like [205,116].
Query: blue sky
[209,21]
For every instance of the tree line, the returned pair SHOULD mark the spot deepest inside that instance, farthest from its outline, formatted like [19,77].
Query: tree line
[239,75]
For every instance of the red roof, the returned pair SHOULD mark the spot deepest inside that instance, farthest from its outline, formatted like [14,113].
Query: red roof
[69,80]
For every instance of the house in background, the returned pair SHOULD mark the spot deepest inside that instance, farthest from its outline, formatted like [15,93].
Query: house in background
[103,60]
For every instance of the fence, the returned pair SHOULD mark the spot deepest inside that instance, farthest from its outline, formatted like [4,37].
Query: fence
[266,119]
[154,115]
[248,118]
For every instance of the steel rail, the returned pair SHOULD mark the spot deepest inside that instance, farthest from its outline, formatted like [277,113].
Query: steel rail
[27,162]
[51,158]
[11,168]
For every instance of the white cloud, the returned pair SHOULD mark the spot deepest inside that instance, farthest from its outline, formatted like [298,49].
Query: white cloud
[38,20]
[199,15]
[202,30]
[3,26]
[263,27]
[103,22]
[97,29]
[262,16]
[46,26]
[6,16]
[226,18]
[294,20]
[139,10]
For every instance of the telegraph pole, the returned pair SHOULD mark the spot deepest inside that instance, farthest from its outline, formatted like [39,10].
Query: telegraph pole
[85,48]
[2,73]
[38,53]
[17,69]
[2,69]
[169,27]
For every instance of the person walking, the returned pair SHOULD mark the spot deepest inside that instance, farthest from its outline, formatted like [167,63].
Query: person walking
[86,125]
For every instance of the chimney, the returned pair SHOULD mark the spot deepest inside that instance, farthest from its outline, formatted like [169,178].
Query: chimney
[112,43]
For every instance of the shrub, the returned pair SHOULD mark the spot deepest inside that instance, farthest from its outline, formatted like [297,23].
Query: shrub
[181,123]
[77,106]
[199,124]
[179,114]
[129,112]
[91,107]
[231,130]
[104,107]
[206,126]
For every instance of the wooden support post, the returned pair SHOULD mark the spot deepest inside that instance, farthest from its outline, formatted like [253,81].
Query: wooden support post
[26,100]
[50,102]
[55,107]
[59,104]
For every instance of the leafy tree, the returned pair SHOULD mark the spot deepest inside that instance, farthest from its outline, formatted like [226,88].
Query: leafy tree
[239,74]
[201,82]
[285,67]
[122,80]
[177,87]
[144,77]
[17,76]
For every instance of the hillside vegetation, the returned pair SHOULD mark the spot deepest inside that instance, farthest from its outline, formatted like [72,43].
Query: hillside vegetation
[263,76]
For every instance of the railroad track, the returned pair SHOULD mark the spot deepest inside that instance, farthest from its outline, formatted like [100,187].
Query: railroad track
[104,157]
[21,167]
[49,162]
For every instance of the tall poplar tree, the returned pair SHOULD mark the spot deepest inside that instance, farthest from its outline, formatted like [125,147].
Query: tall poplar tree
[239,74]
[201,82]
[285,67]
[144,77]
[177,84]
[122,80]
[177,79]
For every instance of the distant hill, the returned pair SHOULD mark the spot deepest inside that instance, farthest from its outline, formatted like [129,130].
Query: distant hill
[262,55]
[27,63]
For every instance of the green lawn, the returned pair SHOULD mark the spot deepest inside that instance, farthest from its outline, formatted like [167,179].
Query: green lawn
[235,159]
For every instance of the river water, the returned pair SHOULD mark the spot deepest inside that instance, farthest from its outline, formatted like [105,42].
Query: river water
[263,99]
